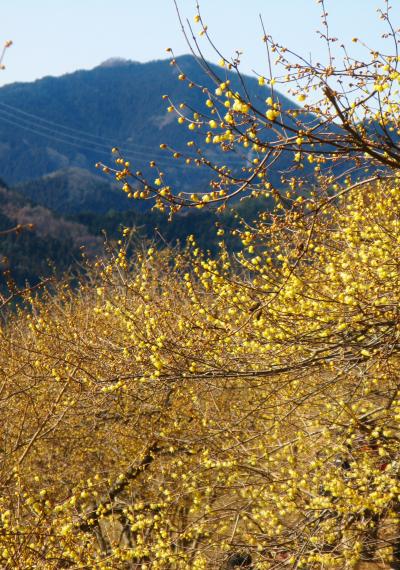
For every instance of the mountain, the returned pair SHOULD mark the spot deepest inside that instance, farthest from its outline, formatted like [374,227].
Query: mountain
[72,190]
[56,123]
[54,130]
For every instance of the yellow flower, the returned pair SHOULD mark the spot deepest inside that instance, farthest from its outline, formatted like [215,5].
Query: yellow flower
[271,114]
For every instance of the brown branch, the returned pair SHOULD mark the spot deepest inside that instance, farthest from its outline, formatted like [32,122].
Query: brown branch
[104,507]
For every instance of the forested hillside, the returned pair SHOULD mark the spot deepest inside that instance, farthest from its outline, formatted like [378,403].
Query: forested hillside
[43,244]
[73,190]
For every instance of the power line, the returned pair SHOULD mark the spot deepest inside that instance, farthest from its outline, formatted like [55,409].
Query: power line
[91,147]
[106,141]
[66,136]
[131,148]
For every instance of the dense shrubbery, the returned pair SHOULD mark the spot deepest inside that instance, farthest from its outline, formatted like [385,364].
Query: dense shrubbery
[175,410]
[182,411]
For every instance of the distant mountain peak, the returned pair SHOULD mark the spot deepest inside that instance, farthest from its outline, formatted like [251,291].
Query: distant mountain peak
[115,62]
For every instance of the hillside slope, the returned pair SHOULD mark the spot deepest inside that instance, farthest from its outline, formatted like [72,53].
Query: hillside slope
[52,243]
[72,190]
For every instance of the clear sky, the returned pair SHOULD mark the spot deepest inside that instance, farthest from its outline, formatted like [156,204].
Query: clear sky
[52,37]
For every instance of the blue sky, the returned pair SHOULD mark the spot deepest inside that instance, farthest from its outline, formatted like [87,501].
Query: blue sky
[52,37]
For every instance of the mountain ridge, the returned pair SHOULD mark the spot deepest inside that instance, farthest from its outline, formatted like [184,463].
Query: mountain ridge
[75,119]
